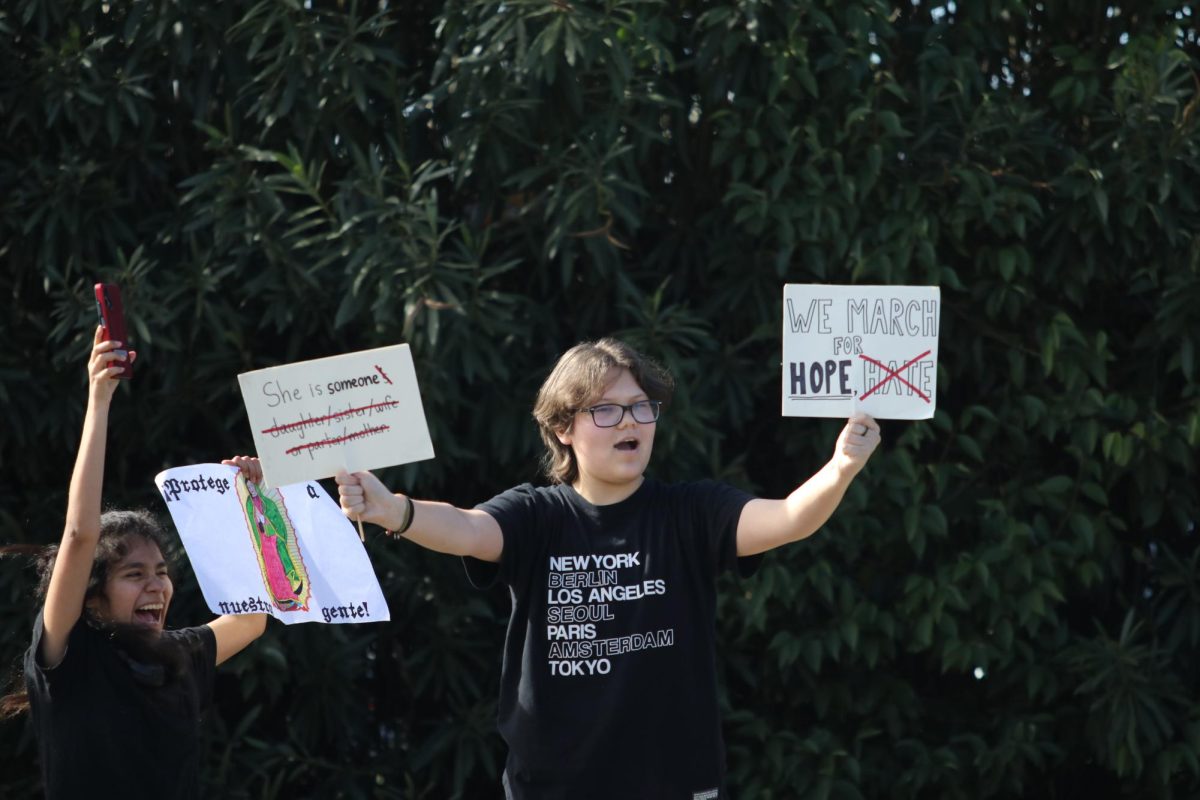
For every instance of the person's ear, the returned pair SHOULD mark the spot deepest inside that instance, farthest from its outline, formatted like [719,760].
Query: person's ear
[564,436]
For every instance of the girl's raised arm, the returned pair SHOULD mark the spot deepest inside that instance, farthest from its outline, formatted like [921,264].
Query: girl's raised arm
[73,564]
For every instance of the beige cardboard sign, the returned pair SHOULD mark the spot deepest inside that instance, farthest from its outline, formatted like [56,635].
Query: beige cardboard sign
[354,412]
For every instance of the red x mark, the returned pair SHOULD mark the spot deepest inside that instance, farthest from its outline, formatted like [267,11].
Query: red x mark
[894,373]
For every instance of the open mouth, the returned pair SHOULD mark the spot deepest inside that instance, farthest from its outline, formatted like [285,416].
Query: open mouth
[627,445]
[149,614]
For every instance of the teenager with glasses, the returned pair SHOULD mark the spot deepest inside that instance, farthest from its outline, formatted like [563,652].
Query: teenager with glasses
[608,686]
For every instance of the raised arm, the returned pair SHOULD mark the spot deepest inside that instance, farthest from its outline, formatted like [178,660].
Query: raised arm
[234,632]
[767,524]
[436,526]
[73,564]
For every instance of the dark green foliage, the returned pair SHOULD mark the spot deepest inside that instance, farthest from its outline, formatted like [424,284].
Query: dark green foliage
[491,182]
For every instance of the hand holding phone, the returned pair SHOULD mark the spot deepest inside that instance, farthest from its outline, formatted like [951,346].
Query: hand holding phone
[112,319]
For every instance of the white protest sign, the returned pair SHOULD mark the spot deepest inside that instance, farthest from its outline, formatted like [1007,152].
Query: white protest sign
[288,552]
[353,412]
[860,348]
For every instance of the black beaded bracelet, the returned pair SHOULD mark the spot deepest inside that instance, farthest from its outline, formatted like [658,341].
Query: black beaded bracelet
[408,519]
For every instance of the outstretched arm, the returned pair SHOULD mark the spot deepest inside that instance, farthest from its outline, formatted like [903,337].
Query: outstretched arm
[234,632]
[436,526]
[767,524]
[73,564]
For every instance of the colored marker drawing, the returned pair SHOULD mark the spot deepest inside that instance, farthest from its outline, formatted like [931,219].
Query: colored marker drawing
[274,538]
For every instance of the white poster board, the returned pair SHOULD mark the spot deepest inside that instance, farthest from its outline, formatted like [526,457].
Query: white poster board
[288,552]
[353,412]
[872,349]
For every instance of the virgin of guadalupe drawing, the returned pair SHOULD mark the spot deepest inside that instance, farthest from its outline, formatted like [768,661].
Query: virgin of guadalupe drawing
[274,538]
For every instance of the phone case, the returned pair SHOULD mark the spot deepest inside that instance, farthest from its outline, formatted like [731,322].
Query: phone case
[112,317]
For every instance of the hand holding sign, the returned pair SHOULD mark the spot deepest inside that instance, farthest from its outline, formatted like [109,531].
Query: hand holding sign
[857,441]
[249,466]
[363,497]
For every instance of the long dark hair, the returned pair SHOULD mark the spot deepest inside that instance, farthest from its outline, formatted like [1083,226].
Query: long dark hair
[119,532]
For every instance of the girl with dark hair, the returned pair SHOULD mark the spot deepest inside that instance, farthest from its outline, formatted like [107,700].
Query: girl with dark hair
[116,700]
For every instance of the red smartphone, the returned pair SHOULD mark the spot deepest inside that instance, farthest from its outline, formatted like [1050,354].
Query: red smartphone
[112,317]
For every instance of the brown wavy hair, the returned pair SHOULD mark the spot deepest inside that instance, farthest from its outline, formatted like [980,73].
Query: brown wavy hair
[118,532]
[577,381]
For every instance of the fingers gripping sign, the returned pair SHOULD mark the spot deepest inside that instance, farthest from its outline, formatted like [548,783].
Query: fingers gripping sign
[857,441]
[250,466]
[350,494]
[350,498]
[362,496]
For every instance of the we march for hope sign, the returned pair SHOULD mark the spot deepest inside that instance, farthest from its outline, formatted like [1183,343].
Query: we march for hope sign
[872,349]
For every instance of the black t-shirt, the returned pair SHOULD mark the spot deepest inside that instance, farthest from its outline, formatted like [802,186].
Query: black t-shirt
[107,723]
[609,686]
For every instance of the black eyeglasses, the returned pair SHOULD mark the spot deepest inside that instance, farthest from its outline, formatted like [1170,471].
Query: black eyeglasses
[609,415]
